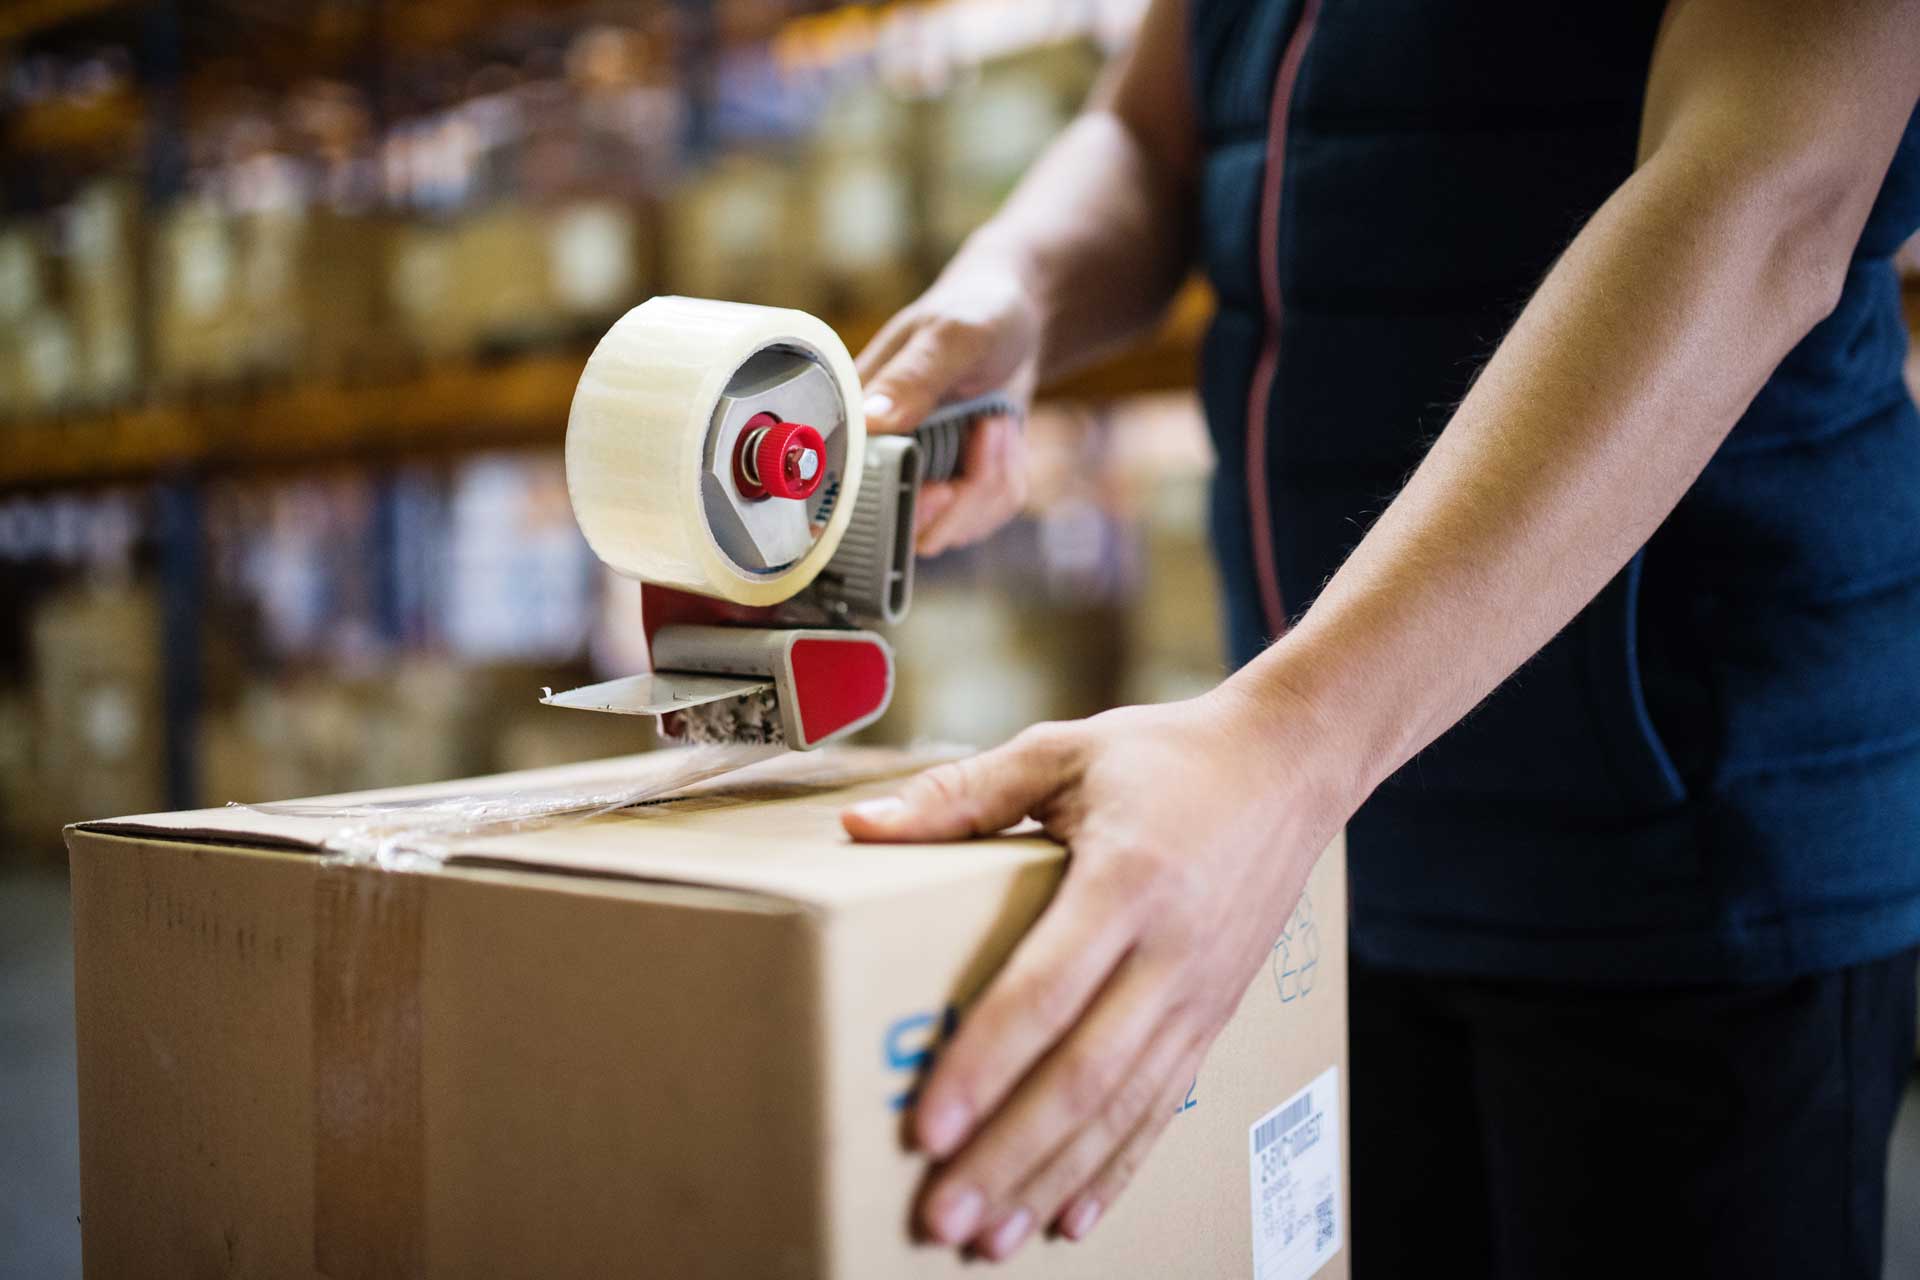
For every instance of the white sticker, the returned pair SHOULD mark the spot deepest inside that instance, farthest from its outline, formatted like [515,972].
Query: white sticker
[1293,1167]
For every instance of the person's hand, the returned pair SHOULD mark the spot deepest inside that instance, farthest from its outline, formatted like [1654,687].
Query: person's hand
[1192,827]
[976,330]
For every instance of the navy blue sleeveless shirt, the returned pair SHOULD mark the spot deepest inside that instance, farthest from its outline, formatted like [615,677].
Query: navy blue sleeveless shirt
[1713,773]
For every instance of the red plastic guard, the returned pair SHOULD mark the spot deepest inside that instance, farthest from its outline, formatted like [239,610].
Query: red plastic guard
[838,683]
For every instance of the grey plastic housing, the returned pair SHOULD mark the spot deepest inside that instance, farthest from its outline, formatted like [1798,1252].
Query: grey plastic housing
[870,577]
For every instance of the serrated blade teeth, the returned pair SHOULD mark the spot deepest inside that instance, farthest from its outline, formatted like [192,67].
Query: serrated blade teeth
[752,718]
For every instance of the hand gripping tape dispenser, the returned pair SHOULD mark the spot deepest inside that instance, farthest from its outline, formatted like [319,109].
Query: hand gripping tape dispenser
[717,452]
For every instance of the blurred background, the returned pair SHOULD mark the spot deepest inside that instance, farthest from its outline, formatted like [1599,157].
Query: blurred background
[293,296]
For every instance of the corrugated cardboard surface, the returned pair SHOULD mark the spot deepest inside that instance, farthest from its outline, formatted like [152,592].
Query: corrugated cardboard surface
[685,1057]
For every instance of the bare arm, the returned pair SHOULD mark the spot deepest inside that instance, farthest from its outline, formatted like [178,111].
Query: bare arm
[1103,223]
[1767,132]
[1084,255]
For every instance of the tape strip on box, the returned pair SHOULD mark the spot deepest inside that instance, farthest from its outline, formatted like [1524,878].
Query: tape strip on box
[369,1175]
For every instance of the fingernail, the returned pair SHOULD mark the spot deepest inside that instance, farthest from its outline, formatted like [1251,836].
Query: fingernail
[1009,1234]
[1080,1218]
[885,810]
[942,1126]
[877,405]
[954,1213]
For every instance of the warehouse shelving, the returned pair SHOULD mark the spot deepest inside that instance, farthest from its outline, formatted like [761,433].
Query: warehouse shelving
[25,18]
[521,401]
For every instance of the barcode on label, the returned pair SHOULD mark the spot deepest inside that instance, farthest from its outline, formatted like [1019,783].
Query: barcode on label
[1277,1125]
[1294,1183]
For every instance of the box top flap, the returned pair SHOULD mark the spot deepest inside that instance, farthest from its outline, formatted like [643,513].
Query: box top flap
[770,826]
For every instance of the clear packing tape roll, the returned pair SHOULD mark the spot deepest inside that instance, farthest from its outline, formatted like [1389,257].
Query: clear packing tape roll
[639,469]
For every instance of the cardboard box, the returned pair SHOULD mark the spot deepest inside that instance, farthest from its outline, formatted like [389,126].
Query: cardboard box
[672,1041]
[515,276]
[994,125]
[99,709]
[861,166]
[34,345]
[200,320]
[102,253]
[28,827]
[349,329]
[742,229]
[421,279]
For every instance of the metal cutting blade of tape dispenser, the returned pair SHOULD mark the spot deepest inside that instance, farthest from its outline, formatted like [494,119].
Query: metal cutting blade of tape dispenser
[762,664]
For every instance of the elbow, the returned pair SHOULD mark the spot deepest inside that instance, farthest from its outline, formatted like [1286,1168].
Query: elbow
[1813,250]
[1806,214]
[1786,213]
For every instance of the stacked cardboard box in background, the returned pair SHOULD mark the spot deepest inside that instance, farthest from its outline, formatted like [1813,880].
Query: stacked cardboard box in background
[70,304]
[742,228]
[23,315]
[200,320]
[420,720]
[992,127]
[103,256]
[98,706]
[861,166]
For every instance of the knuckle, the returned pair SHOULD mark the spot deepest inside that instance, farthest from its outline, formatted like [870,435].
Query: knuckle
[1089,1080]
[1047,1192]
[959,1082]
[1179,888]
[1050,742]
[945,785]
[1183,929]
[1131,874]
[997,1173]
[1133,1097]
[957,330]
[1129,883]
[1039,1000]
[1125,1165]
[954,792]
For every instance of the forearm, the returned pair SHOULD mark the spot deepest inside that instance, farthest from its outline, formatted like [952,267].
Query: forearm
[1100,234]
[1620,379]
[1100,227]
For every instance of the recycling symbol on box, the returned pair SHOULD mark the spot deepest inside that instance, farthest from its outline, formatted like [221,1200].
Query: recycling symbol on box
[1296,956]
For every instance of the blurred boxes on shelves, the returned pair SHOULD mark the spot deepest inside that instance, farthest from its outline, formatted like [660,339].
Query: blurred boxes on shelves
[419,719]
[992,125]
[70,304]
[741,228]
[371,609]
[96,711]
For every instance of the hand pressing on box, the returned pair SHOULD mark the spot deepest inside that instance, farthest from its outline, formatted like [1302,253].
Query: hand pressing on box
[1192,828]
[976,330]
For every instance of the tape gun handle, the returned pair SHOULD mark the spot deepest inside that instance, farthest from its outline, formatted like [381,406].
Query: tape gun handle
[943,436]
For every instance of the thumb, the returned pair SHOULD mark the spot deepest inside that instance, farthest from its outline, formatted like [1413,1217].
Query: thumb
[973,797]
[911,385]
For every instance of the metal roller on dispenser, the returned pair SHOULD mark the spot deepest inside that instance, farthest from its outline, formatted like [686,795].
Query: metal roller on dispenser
[717,452]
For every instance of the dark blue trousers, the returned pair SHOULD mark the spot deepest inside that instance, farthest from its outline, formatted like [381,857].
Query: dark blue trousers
[1519,1129]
